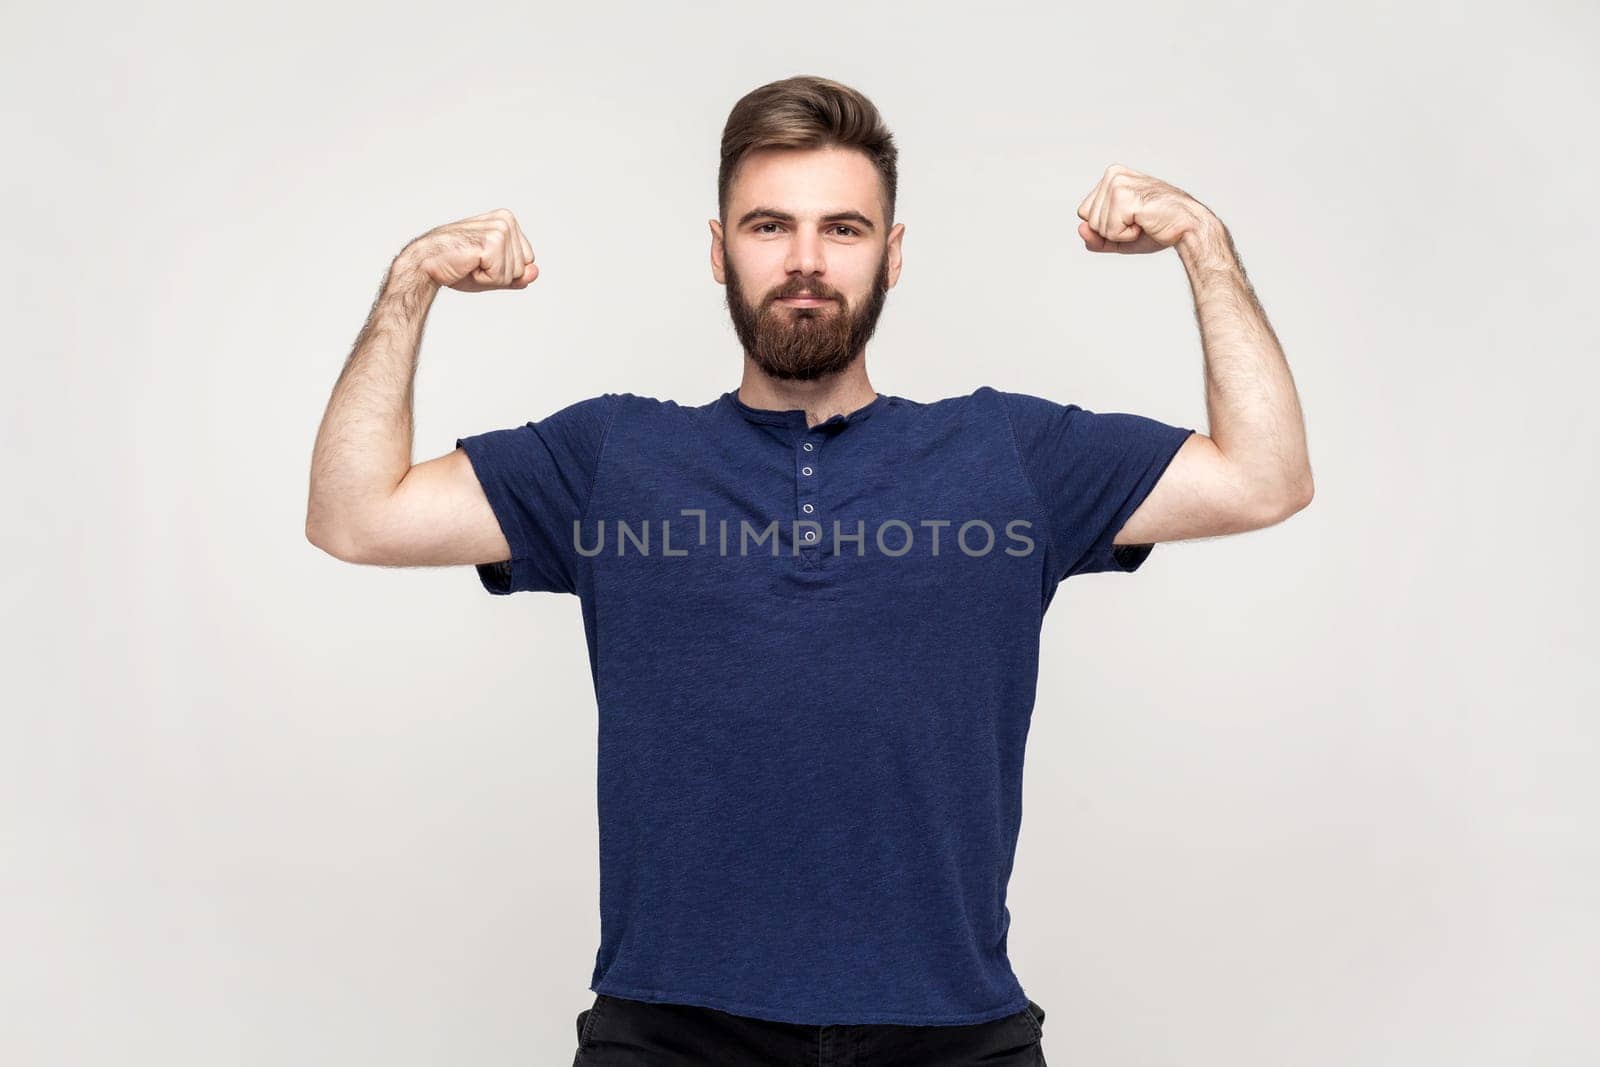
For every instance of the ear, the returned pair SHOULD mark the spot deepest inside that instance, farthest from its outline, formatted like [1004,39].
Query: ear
[717,252]
[896,235]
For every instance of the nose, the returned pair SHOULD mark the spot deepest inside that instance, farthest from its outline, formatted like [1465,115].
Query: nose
[805,253]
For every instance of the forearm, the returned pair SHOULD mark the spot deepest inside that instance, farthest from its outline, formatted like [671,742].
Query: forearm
[363,446]
[1251,402]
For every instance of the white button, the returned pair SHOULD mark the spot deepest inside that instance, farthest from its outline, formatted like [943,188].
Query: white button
[806,508]
[811,535]
[805,470]
[808,446]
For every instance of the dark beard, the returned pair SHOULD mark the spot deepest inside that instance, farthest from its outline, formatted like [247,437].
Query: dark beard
[804,343]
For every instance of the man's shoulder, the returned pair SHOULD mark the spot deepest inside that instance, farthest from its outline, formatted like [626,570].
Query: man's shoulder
[984,404]
[982,397]
[643,407]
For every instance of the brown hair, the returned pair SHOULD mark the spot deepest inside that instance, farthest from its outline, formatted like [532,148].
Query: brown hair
[806,111]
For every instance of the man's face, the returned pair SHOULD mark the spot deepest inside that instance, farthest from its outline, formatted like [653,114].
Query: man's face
[831,246]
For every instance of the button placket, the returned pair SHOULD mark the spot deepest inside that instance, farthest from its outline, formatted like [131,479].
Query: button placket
[808,521]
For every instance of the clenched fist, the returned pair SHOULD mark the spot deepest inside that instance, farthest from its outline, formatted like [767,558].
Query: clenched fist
[1130,212]
[483,252]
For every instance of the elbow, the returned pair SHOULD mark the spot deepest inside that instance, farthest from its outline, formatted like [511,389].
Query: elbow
[1294,496]
[1301,492]
[1284,499]
[335,541]
[349,530]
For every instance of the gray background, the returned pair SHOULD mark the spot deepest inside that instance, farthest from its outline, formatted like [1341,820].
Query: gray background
[1318,794]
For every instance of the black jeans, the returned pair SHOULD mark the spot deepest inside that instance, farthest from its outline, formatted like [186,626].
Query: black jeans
[615,1032]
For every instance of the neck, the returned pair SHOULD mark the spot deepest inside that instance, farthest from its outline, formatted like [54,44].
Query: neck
[820,399]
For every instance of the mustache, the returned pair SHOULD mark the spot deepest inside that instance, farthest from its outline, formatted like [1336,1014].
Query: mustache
[813,291]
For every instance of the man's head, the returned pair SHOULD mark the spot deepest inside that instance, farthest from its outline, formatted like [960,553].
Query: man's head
[806,193]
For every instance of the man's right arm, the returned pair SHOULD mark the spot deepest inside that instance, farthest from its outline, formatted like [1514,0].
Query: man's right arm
[437,515]
[368,503]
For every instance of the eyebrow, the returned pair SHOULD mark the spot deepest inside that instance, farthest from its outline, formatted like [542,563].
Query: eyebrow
[784,216]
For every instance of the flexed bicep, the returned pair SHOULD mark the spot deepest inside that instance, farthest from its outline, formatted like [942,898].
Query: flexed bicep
[438,515]
[1200,494]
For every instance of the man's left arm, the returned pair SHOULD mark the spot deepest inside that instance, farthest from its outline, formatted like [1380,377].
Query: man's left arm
[1252,470]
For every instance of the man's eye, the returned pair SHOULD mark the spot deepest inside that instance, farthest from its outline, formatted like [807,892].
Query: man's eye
[840,226]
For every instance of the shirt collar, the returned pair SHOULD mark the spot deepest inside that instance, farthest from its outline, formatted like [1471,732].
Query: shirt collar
[796,417]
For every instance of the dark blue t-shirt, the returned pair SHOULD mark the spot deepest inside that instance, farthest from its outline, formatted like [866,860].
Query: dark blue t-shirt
[814,652]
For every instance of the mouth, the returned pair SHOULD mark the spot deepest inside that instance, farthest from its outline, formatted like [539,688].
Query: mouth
[805,301]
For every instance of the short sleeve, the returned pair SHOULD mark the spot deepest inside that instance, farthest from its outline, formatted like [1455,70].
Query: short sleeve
[538,478]
[1091,471]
